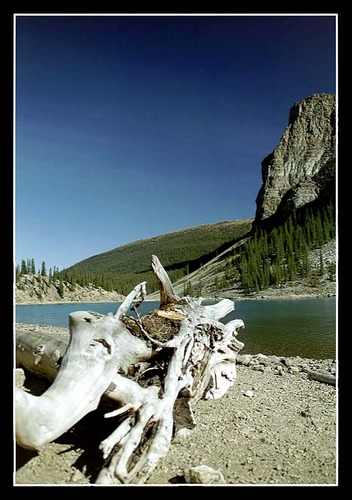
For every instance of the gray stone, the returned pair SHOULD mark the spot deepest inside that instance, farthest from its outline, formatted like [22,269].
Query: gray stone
[244,359]
[202,474]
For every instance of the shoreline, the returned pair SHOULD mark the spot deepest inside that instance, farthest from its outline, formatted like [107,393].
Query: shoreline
[235,299]
[269,294]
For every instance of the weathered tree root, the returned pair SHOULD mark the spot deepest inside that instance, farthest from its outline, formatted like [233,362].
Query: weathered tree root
[153,367]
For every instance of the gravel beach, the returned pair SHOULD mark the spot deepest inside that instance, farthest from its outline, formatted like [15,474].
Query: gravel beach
[274,426]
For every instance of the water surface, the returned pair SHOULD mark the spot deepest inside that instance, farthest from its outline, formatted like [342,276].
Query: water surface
[284,327]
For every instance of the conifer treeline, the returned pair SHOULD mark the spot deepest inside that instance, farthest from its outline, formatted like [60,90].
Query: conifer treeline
[81,278]
[28,267]
[282,254]
[277,256]
[267,258]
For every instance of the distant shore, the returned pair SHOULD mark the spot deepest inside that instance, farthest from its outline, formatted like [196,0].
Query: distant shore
[225,296]
[325,290]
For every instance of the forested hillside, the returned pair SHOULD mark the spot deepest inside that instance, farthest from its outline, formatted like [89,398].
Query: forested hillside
[282,254]
[180,252]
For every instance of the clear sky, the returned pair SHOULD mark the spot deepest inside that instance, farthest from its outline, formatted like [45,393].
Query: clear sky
[128,127]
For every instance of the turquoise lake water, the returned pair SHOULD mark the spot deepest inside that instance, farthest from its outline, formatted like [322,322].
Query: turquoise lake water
[292,327]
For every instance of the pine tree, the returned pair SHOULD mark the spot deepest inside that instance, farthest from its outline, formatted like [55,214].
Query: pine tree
[23,267]
[244,274]
[61,288]
[321,264]
[43,271]
[291,267]
[332,271]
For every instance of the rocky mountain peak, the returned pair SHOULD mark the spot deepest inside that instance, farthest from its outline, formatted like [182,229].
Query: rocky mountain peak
[302,167]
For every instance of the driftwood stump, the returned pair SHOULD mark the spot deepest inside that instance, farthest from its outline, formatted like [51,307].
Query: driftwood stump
[152,368]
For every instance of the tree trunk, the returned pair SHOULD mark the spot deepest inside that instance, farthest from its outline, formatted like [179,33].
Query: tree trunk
[153,368]
[40,353]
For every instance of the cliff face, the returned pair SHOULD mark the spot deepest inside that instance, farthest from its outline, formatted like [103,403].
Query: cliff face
[302,167]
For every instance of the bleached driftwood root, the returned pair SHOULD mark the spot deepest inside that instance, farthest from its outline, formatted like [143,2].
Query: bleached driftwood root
[97,348]
[153,368]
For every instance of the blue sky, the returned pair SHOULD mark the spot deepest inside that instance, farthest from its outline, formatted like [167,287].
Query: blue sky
[128,127]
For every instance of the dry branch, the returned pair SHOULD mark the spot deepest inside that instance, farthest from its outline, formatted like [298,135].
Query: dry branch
[153,368]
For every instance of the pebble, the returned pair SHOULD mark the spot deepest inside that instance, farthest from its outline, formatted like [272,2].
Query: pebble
[248,393]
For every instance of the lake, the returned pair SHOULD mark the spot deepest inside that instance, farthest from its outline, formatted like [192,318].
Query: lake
[291,327]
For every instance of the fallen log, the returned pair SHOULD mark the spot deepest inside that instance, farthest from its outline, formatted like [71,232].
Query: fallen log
[324,377]
[153,368]
[40,353]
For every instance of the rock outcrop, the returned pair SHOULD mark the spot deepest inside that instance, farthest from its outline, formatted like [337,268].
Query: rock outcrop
[36,289]
[302,167]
